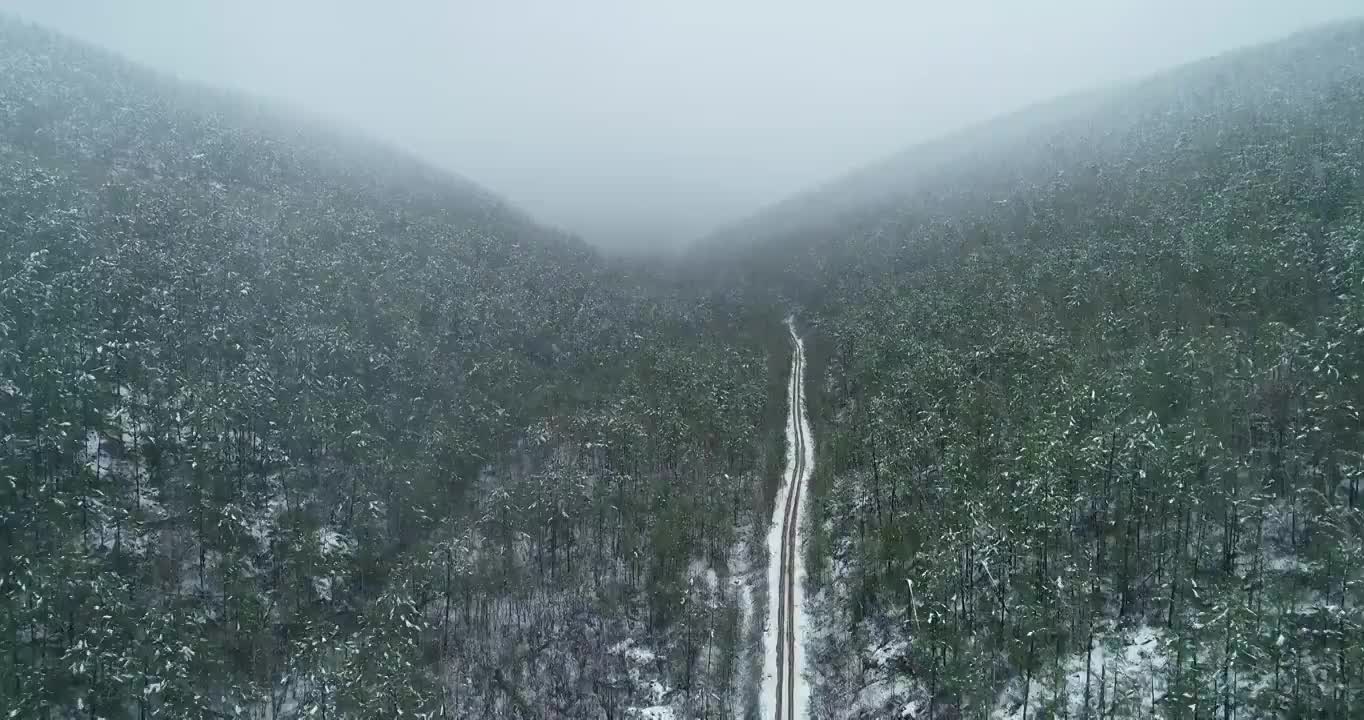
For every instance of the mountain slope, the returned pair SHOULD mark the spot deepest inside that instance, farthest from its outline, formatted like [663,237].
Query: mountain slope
[1178,112]
[293,424]
[1087,384]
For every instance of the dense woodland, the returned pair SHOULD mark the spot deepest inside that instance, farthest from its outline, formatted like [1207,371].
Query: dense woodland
[292,425]
[1090,398]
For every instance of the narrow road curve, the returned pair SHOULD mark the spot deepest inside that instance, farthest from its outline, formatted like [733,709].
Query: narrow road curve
[785,694]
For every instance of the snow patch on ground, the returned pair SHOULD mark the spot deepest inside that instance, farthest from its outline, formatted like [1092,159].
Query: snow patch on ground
[261,525]
[881,687]
[638,660]
[861,669]
[330,542]
[699,572]
[1129,666]
[117,526]
[743,668]
[633,653]
[657,712]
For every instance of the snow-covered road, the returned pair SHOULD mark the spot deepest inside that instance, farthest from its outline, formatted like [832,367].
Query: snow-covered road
[785,694]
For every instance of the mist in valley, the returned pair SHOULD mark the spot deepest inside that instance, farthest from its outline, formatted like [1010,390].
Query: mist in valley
[647,125]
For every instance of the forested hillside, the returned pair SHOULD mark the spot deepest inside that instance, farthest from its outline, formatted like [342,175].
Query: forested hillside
[294,426]
[1088,402]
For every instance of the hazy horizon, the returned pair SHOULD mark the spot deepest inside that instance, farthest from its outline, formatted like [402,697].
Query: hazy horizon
[637,126]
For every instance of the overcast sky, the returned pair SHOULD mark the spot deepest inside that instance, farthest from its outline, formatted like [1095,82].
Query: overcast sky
[653,121]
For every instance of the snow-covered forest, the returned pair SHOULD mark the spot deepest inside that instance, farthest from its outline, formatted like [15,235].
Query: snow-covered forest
[295,425]
[1088,403]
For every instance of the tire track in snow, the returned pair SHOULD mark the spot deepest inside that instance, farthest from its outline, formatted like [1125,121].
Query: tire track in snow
[785,696]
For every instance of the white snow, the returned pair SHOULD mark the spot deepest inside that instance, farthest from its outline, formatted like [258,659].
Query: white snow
[657,712]
[745,598]
[698,572]
[638,659]
[330,541]
[635,654]
[323,587]
[798,413]
[1135,672]
[802,684]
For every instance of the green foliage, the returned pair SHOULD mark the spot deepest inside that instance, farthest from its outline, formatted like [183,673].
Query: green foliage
[296,425]
[1104,378]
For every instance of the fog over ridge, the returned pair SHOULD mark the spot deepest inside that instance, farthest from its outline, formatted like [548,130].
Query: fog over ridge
[649,124]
